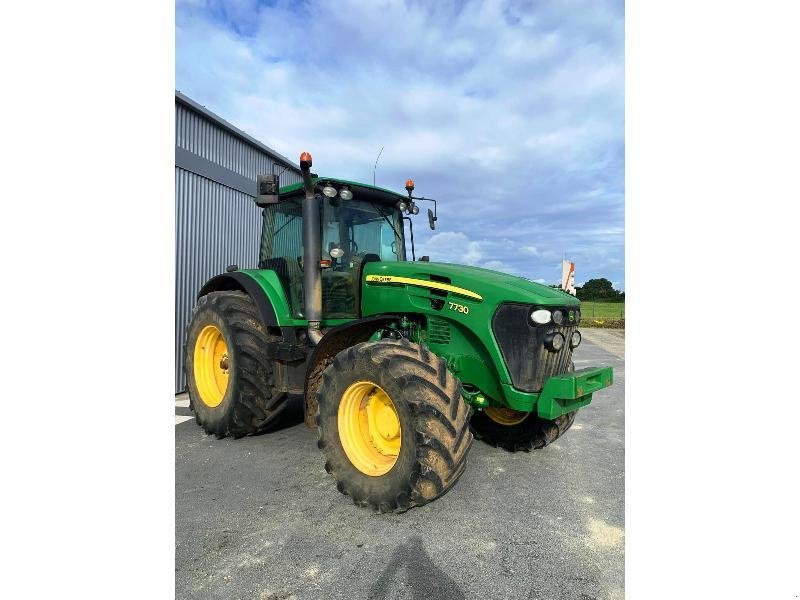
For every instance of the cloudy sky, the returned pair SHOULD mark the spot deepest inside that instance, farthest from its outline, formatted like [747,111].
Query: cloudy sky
[511,113]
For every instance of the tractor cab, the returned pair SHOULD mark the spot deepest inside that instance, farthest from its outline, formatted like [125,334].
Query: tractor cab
[359,224]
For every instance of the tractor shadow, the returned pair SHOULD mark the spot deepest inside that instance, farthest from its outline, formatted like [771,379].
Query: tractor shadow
[423,579]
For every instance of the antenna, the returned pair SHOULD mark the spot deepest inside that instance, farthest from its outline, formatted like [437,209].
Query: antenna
[376,165]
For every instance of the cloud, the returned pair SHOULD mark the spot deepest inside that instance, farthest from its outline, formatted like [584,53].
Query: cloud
[509,113]
[457,247]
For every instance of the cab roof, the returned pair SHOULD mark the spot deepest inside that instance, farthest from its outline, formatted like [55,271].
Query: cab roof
[364,190]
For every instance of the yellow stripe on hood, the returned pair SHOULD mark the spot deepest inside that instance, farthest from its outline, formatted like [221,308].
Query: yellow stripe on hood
[433,285]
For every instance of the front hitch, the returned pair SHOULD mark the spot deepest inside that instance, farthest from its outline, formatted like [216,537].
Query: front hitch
[568,392]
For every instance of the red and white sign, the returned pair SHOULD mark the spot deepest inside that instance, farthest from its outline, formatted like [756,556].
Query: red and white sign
[568,277]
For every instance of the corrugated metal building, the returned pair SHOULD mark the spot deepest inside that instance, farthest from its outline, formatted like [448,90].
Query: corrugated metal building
[217,221]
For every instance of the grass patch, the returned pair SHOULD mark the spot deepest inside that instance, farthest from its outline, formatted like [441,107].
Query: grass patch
[610,315]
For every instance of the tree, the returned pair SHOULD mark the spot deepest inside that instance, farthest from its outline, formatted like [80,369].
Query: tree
[599,289]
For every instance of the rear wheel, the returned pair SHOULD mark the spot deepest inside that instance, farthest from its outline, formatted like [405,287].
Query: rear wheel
[514,430]
[392,425]
[229,375]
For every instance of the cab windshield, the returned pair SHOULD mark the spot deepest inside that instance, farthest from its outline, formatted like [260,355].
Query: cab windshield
[355,229]
[354,233]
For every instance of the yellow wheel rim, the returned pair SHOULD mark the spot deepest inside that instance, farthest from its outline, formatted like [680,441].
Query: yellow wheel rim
[505,416]
[211,364]
[369,428]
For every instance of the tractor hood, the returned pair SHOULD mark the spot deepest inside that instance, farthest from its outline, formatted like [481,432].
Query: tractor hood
[493,287]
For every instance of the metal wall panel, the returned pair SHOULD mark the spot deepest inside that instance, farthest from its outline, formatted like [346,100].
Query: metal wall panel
[216,225]
[197,134]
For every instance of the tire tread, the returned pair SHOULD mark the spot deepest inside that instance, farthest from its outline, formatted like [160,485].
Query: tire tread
[440,418]
[256,404]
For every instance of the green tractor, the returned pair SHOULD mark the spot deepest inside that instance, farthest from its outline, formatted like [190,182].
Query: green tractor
[400,362]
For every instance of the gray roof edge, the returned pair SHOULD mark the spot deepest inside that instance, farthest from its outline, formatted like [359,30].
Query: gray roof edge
[185,100]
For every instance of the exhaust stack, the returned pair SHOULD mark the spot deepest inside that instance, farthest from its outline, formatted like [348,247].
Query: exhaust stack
[312,250]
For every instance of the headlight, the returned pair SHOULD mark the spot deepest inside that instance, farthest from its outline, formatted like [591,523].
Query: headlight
[541,316]
[554,341]
[329,191]
[401,206]
[346,194]
[576,339]
[558,317]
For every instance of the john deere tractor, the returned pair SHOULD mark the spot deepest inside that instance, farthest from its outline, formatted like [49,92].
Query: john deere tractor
[400,362]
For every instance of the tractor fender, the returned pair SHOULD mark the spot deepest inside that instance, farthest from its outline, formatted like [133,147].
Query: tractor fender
[243,282]
[334,341]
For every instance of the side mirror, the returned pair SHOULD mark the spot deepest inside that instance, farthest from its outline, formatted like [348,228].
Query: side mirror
[431,219]
[268,186]
[425,258]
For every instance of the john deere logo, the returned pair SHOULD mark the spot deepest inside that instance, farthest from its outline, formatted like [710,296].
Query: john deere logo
[571,315]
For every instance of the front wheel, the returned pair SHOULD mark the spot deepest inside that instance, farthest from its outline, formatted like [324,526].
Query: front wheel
[514,431]
[392,425]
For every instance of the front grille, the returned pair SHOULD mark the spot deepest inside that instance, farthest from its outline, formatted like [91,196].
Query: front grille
[521,342]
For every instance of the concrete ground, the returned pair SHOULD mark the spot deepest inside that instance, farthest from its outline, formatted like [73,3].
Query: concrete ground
[610,340]
[259,519]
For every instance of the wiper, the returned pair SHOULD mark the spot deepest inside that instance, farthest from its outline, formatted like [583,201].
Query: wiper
[284,225]
[287,222]
[385,218]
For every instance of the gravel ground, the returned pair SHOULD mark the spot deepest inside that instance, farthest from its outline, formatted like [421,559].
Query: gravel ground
[258,518]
